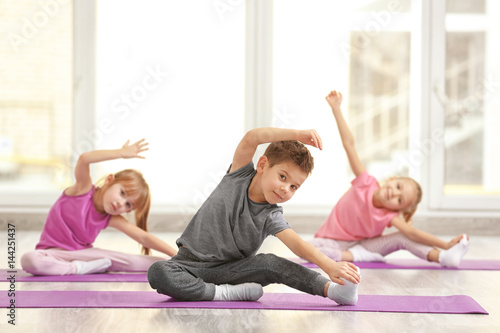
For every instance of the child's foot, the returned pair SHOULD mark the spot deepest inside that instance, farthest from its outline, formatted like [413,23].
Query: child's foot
[346,294]
[452,257]
[359,253]
[90,267]
[239,292]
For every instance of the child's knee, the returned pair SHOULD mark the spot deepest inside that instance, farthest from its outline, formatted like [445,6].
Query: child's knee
[29,262]
[155,273]
[158,276]
[172,280]
[400,241]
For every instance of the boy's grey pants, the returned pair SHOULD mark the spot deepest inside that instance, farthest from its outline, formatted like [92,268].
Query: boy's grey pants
[187,278]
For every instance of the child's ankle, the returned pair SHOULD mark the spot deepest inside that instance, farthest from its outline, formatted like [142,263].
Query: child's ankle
[240,292]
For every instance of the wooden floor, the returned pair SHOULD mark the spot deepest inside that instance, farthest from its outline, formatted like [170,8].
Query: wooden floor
[483,286]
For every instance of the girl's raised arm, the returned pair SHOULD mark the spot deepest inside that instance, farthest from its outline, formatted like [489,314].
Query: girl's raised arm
[83,181]
[334,99]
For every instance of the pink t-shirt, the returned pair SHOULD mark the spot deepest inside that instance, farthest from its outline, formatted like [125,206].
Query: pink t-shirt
[73,223]
[354,217]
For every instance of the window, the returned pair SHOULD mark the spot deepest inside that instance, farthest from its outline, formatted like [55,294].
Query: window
[171,72]
[362,49]
[465,96]
[35,101]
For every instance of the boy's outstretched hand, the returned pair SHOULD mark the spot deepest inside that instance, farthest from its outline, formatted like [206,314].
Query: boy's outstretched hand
[310,137]
[133,150]
[334,99]
[345,270]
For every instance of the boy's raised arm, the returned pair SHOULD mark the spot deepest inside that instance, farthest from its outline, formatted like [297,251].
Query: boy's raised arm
[257,136]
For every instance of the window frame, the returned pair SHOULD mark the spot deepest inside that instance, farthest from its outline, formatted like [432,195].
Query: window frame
[435,81]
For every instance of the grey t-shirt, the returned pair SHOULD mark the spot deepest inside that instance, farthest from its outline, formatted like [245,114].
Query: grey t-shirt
[229,226]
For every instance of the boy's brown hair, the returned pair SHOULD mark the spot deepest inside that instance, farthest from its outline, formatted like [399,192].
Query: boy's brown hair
[290,151]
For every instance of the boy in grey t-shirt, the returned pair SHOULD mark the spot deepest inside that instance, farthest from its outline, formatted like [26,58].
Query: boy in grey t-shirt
[217,252]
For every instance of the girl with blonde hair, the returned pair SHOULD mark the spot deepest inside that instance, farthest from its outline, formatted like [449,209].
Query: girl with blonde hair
[353,231]
[84,209]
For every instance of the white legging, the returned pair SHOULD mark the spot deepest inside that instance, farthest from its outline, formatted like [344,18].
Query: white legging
[56,261]
[382,244]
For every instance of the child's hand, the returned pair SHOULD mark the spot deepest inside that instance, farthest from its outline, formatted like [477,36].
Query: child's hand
[133,150]
[334,99]
[456,240]
[310,137]
[345,270]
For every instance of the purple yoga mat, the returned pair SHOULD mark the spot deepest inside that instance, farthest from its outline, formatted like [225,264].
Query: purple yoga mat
[459,304]
[481,265]
[22,276]
[474,265]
